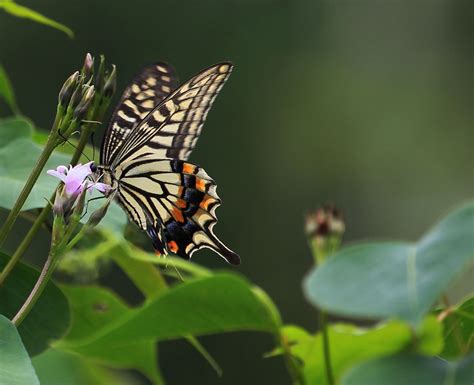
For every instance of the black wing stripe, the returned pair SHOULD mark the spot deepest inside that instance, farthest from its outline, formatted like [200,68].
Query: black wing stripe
[144,93]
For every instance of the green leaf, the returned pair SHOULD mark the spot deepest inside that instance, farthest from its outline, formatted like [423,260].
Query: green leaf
[14,128]
[24,12]
[49,318]
[389,279]
[348,345]
[410,369]
[216,304]
[16,368]
[429,339]
[459,330]
[60,368]
[6,91]
[95,309]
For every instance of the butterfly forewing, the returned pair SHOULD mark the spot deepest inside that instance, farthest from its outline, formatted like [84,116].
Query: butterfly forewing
[144,93]
[172,129]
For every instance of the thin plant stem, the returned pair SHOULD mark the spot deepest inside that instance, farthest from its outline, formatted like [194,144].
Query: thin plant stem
[35,173]
[43,279]
[326,347]
[24,244]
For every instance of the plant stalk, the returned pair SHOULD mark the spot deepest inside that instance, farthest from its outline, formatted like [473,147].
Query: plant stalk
[43,279]
[326,347]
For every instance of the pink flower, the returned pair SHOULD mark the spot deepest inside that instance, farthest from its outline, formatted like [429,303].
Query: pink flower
[76,179]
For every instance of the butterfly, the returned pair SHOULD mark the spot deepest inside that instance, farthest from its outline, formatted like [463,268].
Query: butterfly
[144,154]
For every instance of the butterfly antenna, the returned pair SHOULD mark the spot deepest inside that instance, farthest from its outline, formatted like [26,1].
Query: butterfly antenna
[67,140]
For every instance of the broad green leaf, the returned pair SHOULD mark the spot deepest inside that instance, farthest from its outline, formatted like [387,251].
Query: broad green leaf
[349,345]
[459,330]
[408,369]
[54,367]
[220,303]
[95,309]
[395,279]
[48,319]
[15,368]
[14,128]
[6,91]
[24,12]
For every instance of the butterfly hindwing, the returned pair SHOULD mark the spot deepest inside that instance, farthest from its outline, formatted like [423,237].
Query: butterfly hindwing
[172,129]
[174,202]
[143,94]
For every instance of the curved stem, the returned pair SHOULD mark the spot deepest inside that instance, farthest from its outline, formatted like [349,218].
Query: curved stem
[326,349]
[43,279]
[35,173]
[25,243]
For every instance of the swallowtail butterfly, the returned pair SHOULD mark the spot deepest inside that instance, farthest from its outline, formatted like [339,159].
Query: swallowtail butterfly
[144,156]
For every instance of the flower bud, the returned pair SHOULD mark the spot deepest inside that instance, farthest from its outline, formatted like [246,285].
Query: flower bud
[63,203]
[68,89]
[99,80]
[111,83]
[81,110]
[98,214]
[324,228]
[88,67]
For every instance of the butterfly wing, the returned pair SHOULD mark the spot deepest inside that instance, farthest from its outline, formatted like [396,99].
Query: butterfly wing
[174,202]
[172,129]
[152,84]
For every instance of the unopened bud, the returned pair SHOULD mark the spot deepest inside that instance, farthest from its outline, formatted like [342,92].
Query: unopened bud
[81,110]
[325,228]
[88,66]
[111,83]
[67,89]
[98,214]
[99,80]
[62,203]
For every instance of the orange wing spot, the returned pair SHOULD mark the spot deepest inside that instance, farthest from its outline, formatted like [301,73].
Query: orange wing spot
[178,215]
[188,168]
[206,201]
[157,253]
[181,203]
[180,191]
[173,246]
[200,184]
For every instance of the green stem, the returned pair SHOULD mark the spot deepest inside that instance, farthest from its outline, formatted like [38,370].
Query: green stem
[43,279]
[24,244]
[35,173]
[326,348]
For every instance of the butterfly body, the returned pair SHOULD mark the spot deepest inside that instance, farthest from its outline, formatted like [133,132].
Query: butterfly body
[144,160]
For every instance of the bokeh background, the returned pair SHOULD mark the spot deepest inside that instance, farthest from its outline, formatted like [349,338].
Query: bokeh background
[366,104]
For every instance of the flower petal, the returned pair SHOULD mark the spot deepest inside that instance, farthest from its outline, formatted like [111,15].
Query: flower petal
[57,174]
[80,172]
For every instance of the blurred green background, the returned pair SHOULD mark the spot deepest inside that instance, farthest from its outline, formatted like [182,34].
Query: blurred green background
[364,104]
